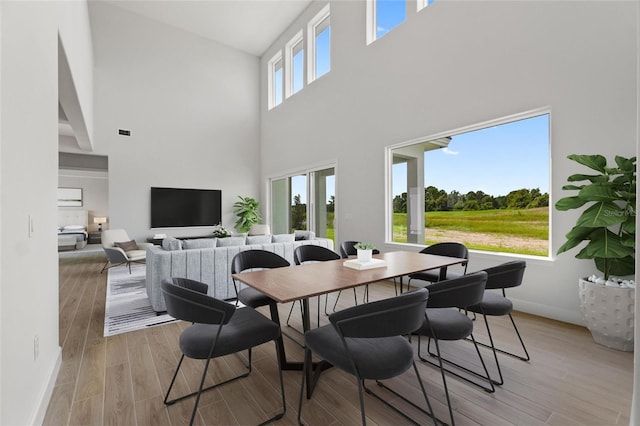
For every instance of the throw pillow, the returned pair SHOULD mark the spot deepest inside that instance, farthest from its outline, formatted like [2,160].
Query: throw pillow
[127,245]
[171,243]
[231,241]
[199,243]
[258,239]
[283,238]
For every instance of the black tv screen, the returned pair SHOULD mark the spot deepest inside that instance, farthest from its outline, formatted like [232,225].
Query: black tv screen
[178,207]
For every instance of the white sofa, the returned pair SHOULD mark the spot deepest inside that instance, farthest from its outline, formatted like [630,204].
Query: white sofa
[208,260]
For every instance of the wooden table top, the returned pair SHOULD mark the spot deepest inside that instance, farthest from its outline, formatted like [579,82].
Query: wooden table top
[313,279]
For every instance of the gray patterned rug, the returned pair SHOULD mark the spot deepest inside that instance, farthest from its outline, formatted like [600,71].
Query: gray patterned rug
[127,307]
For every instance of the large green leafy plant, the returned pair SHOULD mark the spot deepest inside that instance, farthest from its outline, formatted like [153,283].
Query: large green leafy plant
[608,223]
[248,212]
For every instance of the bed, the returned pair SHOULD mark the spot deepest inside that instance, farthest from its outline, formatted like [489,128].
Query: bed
[72,229]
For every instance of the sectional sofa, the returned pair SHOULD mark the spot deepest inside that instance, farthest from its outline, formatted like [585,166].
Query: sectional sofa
[208,260]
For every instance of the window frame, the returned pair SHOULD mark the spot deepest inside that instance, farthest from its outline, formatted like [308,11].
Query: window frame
[314,23]
[271,77]
[389,151]
[297,40]
[372,20]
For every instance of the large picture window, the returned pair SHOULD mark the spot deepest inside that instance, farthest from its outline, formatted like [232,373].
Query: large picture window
[486,186]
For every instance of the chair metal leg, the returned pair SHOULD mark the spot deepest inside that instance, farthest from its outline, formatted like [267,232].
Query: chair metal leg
[444,379]
[361,397]
[486,378]
[105,266]
[424,393]
[355,299]
[526,356]
[495,350]
[202,389]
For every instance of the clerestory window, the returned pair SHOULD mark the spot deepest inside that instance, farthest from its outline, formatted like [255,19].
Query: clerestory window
[275,83]
[319,40]
[294,65]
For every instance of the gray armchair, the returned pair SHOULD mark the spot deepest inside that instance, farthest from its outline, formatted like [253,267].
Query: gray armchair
[122,250]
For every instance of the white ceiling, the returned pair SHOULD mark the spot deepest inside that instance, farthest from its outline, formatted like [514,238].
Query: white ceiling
[248,25]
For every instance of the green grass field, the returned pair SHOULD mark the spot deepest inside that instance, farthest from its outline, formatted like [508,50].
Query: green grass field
[513,231]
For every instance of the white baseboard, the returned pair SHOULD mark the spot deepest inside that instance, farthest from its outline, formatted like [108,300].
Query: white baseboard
[555,313]
[45,395]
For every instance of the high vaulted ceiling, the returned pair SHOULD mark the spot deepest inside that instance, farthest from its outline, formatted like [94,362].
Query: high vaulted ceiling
[247,25]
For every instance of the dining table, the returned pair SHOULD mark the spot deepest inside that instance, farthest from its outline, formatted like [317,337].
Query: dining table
[301,282]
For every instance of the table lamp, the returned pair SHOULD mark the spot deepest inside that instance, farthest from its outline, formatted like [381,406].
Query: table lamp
[100,220]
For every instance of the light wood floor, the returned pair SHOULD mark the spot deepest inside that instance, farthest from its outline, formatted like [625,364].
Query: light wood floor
[121,380]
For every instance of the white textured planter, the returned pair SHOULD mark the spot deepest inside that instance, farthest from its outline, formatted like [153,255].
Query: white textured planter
[365,255]
[608,313]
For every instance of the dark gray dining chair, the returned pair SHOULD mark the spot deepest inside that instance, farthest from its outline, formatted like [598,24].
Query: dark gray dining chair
[218,329]
[255,260]
[369,342]
[444,321]
[348,249]
[451,249]
[500,277]
[310,253]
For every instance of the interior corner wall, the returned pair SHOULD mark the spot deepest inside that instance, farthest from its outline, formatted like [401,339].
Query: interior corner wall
[192,107]
[451,65]
[77,83]
[28,181]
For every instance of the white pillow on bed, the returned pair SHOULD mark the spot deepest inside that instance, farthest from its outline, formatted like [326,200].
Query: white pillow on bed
[74,228]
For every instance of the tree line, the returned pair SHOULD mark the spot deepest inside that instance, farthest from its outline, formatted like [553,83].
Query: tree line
[439,200]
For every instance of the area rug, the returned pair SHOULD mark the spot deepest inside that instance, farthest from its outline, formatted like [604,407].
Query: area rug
[127,307]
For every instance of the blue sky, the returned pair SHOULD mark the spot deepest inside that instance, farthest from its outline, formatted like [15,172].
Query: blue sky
[500,159]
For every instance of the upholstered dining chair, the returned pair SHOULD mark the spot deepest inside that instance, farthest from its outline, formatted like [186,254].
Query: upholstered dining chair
[250,260]
[311,253]
[444,322]
[500,277]
[347,249]
[218,329]
[369,342]
[255,260]
[122,250]
[451,249]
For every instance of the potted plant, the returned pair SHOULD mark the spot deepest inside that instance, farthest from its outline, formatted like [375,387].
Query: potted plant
[248,212]
[220,231]
[607,225]
[365,251]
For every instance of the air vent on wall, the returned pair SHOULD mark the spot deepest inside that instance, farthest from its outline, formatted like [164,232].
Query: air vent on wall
[123,132]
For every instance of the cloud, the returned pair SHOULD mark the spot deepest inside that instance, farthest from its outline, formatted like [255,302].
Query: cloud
[449,151]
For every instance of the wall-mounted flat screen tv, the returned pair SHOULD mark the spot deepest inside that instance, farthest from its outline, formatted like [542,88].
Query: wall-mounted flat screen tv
[179,207]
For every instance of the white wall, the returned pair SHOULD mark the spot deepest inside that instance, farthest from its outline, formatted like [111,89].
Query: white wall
[456,64]
[95,192]
[28,182]
[76,69]
[192,106]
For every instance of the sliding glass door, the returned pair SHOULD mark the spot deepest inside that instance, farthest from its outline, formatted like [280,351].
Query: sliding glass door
[304,201]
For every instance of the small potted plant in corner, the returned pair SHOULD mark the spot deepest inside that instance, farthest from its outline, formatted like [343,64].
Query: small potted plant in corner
[248,212]
[608,226]
[365,251]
